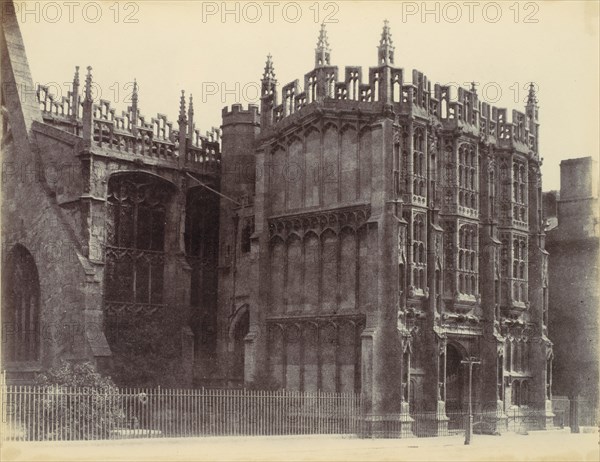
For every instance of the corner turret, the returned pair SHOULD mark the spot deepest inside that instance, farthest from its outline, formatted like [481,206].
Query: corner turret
[385,50]
[322,52]
[268,99]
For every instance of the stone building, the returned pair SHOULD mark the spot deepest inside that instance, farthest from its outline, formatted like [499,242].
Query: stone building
[108,238]
[573,238]
[373,233]
[382,234]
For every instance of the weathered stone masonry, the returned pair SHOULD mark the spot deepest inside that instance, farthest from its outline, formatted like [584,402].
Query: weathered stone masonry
[353,237]
[395,232]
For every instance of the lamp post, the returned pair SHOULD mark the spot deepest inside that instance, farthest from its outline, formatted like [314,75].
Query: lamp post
[469,430]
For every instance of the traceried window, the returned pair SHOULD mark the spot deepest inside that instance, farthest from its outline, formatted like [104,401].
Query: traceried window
[419,164]
[467,177]
[135,238]
[519,269]
[519,193]
[419,255]
[468,260]
[20,307]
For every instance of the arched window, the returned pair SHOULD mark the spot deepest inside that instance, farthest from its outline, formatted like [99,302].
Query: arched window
[516,393]
[525,392]
[137,206]
[20,307]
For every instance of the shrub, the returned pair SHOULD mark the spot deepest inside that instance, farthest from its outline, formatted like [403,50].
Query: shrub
[76,402]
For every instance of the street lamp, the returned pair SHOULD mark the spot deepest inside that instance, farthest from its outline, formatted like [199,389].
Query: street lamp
[469,430]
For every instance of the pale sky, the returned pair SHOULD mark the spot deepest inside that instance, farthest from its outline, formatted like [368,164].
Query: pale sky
[170,46]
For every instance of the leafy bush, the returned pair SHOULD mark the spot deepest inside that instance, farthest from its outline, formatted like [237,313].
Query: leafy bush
[76,402]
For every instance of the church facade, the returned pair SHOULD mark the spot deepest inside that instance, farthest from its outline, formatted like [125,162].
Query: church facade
[358,234]
[386,235]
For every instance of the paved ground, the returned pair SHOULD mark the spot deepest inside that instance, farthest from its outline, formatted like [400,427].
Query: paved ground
[538,446]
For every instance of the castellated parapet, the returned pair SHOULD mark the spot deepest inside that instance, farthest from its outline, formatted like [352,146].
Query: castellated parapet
[239,115]
[151,139]
[386,90]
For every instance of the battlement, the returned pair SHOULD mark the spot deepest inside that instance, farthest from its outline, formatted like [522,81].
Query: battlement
[386,85]
[239,115]
[131,132]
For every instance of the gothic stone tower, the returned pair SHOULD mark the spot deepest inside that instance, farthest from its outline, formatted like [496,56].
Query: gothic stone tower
[389,234]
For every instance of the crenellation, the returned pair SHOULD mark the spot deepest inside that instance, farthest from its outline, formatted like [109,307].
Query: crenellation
[131,132]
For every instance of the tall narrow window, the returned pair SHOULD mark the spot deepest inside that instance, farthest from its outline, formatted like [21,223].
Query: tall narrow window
[468,256]
[419,252]
[467,178]
[419,166]
[519,267]
[20,307]
[516,393]
[135,239]
[520,199]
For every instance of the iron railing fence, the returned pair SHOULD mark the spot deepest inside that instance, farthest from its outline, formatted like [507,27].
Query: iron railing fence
[38,413]
[586,413]
[518,419]
[34,413]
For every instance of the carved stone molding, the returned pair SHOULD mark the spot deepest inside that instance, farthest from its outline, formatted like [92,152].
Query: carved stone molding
[124,308]
[319,221]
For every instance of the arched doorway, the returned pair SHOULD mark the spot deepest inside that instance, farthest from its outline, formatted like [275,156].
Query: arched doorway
[20,307]
[454,379]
